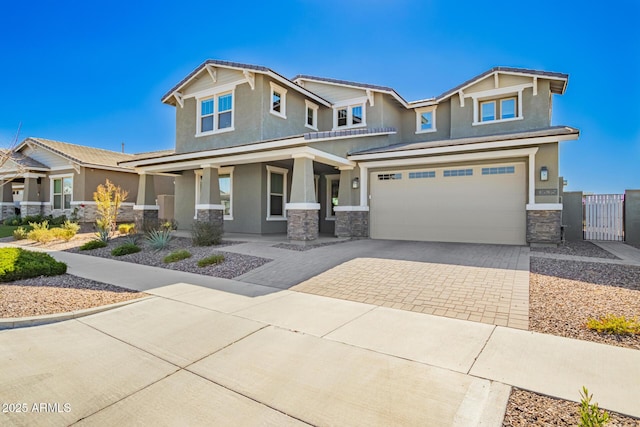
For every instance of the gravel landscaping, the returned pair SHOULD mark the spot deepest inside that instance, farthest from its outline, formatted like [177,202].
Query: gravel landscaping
[233,265]
[564,294]
[58,294]
[581,248]
[531,409]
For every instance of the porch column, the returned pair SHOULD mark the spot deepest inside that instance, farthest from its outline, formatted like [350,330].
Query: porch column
[31,204]
[303,209]
[210,207]
[7,207]
[145,211]
[351,220]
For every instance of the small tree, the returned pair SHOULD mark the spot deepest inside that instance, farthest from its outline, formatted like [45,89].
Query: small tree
[108,198]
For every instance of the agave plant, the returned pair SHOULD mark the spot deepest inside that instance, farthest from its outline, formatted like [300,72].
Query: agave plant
[158,239]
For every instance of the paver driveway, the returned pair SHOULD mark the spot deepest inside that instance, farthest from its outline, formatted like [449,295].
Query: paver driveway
[482,283]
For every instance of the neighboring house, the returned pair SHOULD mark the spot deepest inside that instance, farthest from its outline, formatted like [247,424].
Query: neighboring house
[264,154]
[54,178]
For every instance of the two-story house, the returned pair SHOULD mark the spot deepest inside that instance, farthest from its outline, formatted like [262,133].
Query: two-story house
[265,154]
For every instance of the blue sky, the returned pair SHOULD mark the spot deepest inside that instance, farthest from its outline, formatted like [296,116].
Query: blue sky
[92,73]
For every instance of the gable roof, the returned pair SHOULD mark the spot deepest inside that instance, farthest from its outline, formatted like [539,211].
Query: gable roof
[166,98]
[24,161]
[80,154]
[346,83]
[558,85]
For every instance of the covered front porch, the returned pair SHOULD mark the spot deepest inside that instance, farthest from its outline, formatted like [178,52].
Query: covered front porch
[300,191]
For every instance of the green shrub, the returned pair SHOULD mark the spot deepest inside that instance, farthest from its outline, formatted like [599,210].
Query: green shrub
[611,324]
[133,239]
[213,259]
[176,256]
[56,220]
[93,244]
[158,239]
[125,249]
[205,233]
[127,228]
[32,218]
[13,220]
[20,233]
[590,415]
[17,263]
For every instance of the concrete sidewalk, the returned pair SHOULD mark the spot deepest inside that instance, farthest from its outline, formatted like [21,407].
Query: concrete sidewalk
[226,352]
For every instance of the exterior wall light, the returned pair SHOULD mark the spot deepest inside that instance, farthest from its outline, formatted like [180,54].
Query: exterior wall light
[355,184]
[544,173]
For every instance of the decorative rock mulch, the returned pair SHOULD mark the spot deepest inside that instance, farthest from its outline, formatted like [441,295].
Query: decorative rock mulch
[564,294]
[531,409]
[58,294]
[234,264]
[581,248]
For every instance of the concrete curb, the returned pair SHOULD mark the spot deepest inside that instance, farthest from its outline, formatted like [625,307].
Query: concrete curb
[45,319]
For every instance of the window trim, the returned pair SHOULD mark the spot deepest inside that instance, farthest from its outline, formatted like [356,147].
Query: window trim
[284,172]
[350,105]
[216,113]
[310,105]
[419,112]
[61,177]
[329,180]
[283,100]
[221,171]
[498,95]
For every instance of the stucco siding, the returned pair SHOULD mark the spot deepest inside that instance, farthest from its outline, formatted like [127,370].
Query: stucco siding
[95,177]
[247,183]
[535,110]
[547,155]
[185,201]
[443,125]
[277,127]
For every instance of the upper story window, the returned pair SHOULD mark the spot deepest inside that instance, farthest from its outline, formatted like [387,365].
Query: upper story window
[498,109]
[278,101]
[349,116]
[497,105]
[426,119]
[311,115]
[215,114]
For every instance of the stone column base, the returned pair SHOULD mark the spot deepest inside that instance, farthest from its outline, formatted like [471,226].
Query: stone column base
[7,210]
[145,219]
[352,223]
[543,226]
[302,224]
[214,216]
[30,210]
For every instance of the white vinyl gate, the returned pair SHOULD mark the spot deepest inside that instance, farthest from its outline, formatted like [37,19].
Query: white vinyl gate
[604,217]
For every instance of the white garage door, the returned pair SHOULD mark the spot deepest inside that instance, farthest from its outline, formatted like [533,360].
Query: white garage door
[476,204]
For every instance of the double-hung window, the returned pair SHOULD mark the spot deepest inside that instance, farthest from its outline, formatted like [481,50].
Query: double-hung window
[215,113]
[349,116]
[278,101]
[276,193]
[426,119]
[62,191]
[311,115]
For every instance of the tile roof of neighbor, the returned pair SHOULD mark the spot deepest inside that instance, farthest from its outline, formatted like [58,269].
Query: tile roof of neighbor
[25,161]
[82,154]
[552,131]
